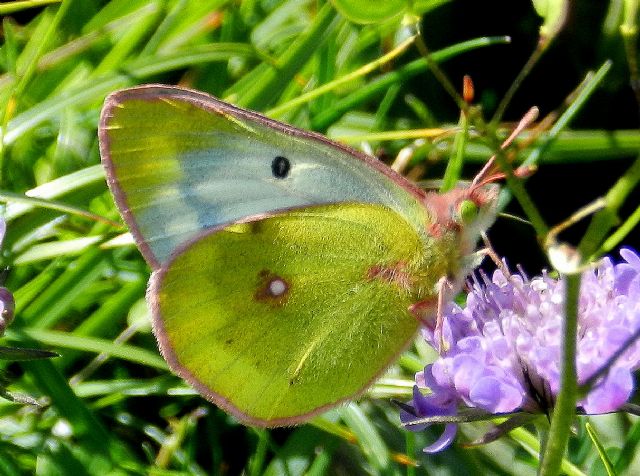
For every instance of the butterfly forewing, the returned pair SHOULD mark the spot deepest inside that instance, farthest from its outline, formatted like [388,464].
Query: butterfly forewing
[180,161]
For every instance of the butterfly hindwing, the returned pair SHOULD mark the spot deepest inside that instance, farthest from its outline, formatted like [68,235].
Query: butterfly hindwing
[276,318]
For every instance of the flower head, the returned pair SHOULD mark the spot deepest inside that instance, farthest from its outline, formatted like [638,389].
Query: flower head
[504,348]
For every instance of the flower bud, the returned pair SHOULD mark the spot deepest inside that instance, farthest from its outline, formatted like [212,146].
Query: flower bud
[7,308]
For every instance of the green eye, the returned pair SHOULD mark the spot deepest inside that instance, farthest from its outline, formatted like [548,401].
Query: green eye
[467,211]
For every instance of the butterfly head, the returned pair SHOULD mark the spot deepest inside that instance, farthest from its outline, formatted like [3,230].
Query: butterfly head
[465,212]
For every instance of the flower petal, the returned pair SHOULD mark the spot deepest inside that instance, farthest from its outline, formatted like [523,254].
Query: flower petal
[495,395]
[445,440]
[611,394]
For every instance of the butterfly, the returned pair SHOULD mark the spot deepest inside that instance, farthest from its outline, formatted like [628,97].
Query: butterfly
[289,271]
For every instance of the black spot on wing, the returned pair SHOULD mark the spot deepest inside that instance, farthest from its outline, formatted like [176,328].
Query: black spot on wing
[280,167]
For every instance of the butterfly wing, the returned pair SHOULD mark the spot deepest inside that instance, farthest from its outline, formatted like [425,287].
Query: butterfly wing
[278,318]
[180,161]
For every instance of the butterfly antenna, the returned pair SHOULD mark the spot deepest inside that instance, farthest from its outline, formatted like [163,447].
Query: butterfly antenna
[490,172]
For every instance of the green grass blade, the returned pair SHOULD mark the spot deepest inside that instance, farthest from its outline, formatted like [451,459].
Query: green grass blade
[67,340]
[269,83]
[369,440]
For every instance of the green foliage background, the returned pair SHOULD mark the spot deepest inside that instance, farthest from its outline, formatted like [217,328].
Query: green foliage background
[108,404]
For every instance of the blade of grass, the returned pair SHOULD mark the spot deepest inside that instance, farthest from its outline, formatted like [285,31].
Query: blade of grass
[531,445]
[378,86]
[33,201]
[110,317]
[42,42]
[267,84]
[128,41]
[56,188]
[134,71]
[602,452]
[55,301]
[295,455]
[96,345]
[51,250]
[131,387]
[585,90]
[332,85]
[606,218]
[16,6]
[86,427]
[369,440]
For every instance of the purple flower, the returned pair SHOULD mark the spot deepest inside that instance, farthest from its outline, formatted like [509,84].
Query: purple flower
[501,353]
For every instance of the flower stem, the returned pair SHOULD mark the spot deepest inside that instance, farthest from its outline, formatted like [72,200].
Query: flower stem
[565,405]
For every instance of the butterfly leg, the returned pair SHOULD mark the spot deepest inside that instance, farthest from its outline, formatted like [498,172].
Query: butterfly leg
[426,309]
[444,285]
[491,253]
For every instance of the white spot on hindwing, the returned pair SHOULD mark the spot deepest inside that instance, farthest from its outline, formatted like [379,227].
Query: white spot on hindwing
[277,287]
[272,289]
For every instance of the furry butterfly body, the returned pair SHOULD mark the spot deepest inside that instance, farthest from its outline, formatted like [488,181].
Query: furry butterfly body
[288,271]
